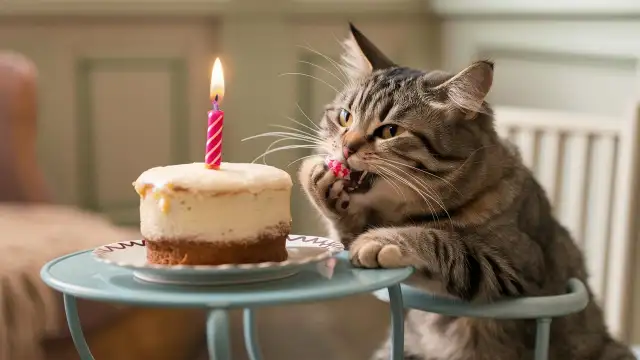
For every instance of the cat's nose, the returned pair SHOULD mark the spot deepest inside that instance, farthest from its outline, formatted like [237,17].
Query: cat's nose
[347,151]
[353,140]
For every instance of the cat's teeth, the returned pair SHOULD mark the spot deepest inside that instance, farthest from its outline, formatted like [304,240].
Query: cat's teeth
[364,173]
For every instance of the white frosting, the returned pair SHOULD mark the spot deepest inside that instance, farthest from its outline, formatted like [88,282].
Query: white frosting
[189,201]
[231,177]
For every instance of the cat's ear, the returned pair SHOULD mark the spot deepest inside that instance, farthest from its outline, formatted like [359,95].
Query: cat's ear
[468,89]
[361,57]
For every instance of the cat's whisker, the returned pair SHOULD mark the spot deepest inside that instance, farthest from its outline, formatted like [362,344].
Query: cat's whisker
[299,131]
[410,185]
[389,175]
[308,118]
[424,184]
[287,147]
[420,170]
[427,173]
[273,143]
[432,194]
[330,60]
[321,145]
[284,137]
[426,187]
[313,77]
[323,69]
[364,173]
[395,187]
[420,193]
[306,157]
[423,194]
[432,209]
[292,136]
[437,198]
[390,182]
[315,131]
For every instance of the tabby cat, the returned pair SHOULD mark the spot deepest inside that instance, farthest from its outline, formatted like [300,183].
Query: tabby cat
[442,192]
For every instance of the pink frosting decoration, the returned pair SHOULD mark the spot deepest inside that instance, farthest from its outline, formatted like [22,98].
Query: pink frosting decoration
[339,169]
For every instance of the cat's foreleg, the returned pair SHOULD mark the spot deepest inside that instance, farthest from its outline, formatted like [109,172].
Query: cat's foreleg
[464,269]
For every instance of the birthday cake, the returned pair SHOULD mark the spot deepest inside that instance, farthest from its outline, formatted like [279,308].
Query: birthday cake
[193,215]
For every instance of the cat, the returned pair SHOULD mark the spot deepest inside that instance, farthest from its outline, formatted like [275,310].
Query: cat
[442,192]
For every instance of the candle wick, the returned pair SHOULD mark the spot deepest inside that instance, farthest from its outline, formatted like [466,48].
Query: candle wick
[216,107]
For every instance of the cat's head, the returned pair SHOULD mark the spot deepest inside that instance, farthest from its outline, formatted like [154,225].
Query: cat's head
[392,120]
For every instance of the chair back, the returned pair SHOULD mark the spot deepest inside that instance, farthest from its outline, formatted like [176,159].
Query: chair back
[588,166]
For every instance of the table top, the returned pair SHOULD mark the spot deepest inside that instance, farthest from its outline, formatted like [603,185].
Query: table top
[80,275]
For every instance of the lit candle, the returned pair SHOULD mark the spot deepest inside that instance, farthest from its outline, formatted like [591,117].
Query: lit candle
[213,150]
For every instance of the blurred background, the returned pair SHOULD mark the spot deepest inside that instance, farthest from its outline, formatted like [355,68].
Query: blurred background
[122,86]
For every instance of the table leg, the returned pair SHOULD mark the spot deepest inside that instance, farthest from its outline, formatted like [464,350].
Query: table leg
[542,339]
[218,335]
[250,335]
[73,320]
[397,322]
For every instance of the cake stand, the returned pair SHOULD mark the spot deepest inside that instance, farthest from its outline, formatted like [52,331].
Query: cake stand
[78,275]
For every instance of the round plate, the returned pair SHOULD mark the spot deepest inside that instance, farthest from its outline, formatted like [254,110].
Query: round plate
[303,251]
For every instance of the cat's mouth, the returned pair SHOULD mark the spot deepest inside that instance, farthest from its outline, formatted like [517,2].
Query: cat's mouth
[360,181]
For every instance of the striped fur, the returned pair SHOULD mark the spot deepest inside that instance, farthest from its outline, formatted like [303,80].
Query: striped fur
[450,198]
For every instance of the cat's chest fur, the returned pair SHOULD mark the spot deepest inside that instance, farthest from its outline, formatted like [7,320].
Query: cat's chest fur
[430,338]
[437,337]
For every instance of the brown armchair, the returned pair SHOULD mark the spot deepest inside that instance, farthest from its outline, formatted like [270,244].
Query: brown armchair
[32,323]
[20,177]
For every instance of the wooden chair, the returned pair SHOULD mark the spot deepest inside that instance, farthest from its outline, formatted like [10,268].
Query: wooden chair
[158,333]
[589,167]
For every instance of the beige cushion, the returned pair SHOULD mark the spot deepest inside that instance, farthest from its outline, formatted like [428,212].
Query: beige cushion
[31,235]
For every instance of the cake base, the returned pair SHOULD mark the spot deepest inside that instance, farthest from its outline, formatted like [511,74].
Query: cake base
[192,252]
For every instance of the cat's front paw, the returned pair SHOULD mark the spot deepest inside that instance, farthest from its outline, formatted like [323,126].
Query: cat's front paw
[378,249]
[337,197]
[323,187]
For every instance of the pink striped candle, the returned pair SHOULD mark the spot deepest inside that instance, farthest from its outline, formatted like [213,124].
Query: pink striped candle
[213,149]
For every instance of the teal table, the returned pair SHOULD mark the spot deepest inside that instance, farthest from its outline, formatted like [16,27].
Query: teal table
[78,275]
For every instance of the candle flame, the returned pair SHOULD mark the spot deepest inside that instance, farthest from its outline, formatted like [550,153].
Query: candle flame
[217,82]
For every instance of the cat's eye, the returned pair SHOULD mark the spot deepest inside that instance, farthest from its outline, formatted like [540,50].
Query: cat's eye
[389,131]
[345,118]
